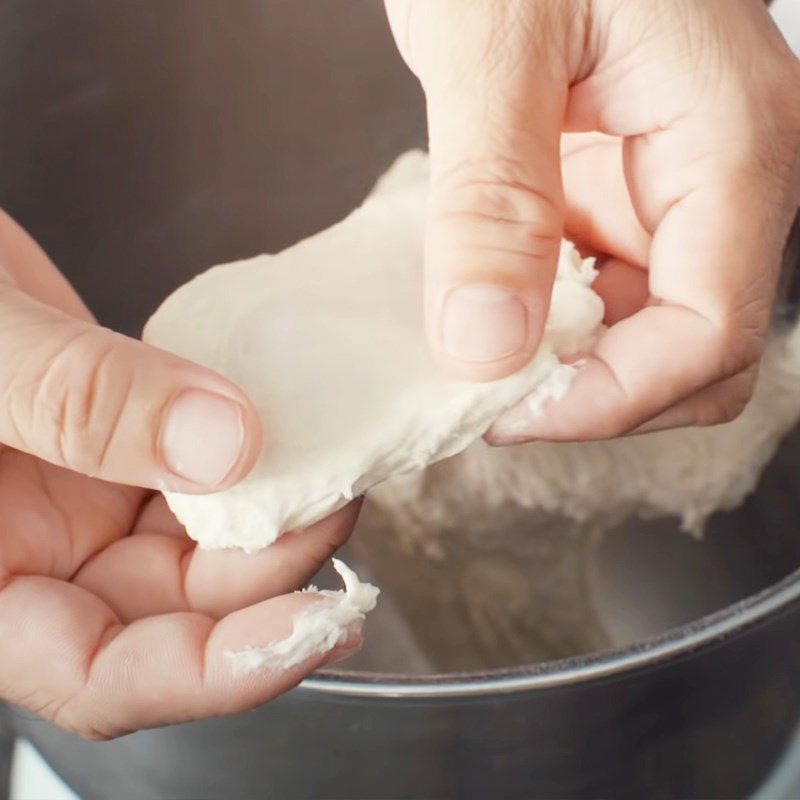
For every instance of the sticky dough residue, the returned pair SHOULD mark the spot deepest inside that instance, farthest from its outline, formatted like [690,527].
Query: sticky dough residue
[317,629]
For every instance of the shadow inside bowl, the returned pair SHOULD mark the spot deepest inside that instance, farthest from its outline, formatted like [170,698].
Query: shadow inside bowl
[550,591]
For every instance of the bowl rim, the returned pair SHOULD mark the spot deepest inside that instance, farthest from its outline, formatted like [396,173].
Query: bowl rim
[703,632]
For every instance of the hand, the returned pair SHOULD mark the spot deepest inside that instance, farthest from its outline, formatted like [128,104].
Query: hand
[111,618]
[704,97]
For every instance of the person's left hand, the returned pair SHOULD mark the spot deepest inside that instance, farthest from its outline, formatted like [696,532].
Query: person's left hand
[114,620]
[111,618]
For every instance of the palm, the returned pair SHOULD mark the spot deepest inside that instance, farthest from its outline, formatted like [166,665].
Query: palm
[101,585]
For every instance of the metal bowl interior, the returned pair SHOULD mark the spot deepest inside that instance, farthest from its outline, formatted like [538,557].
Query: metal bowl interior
[662,593]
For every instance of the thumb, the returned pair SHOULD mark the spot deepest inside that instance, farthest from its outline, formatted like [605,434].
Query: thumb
[496,89]
[82,397]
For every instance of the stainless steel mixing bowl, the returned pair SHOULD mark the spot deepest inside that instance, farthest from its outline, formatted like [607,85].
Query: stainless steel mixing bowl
[142,142]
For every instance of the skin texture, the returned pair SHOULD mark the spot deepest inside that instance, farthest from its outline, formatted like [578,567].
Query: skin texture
[689,196]
[112,619]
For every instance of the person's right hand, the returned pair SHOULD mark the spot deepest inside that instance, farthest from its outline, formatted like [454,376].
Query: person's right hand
[111,618]
[703,97]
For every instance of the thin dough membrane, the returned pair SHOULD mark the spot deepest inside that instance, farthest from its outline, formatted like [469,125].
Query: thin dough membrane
[327,339]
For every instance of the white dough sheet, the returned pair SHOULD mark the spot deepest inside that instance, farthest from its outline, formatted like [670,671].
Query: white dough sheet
[327,339]
[688,473]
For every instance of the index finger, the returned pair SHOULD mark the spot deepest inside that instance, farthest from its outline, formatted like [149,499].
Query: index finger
[714,262]
[158,569]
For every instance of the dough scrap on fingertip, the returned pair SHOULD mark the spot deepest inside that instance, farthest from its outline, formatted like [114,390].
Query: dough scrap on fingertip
[316,629]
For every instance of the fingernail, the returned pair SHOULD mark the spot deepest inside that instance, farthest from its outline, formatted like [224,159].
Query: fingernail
[202,436]
[483,323]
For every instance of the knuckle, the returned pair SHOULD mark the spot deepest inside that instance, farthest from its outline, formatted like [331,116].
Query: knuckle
[729,401]
[485,41]
[736,341]
[79,400]
[66,713]
[486,206]
[612,428]
[721,410]
[741,348]
[85,729]
[92,734]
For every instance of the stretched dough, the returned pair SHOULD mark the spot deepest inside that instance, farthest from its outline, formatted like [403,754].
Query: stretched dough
[327,340]
[688,473]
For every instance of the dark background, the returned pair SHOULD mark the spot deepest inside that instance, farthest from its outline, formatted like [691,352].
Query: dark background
[141,142]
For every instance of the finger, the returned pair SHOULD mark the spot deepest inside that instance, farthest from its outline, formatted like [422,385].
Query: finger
[74,663]
[714,292]
[24,264]
[602,219]
[155,571]
[496,204]
[623,289]
[53,519]
[599,211]
[716,404]
[640,367]
[719,403]
[82,397]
